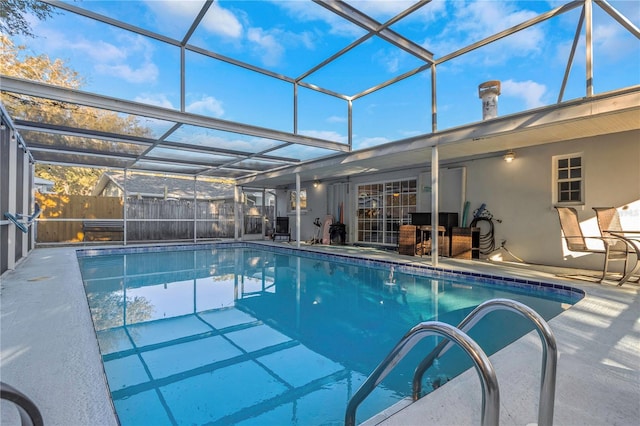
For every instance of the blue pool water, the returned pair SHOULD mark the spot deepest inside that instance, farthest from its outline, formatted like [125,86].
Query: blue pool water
[238,334]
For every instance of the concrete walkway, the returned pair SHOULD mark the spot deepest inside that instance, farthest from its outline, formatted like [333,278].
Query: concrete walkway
[48,348]
[49,351]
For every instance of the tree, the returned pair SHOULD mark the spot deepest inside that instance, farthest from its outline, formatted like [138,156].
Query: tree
[70,180]
[107,309]
[15,61]
[13,15]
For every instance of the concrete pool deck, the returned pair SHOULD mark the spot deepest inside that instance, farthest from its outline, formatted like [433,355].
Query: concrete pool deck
[49,351]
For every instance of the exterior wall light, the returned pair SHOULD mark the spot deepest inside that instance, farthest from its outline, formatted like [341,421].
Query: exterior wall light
[509,156]
[316,183]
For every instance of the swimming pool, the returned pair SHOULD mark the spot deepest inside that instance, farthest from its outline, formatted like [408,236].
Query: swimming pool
[248,334]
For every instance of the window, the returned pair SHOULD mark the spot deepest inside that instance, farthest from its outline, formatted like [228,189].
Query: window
[303,200]
[569,179]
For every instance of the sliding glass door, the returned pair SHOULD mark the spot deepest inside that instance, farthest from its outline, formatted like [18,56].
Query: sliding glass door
[382,208]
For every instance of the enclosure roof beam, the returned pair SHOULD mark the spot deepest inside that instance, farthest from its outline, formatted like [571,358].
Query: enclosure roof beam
[353,15]
[361,40]
[83,151]
[622,20]
[116,23]
[55,129]
[63,94]
[139,140]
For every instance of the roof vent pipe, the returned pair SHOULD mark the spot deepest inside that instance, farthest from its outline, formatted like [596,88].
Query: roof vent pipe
[488,92]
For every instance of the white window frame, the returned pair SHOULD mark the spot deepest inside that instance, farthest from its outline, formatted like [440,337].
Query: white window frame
[292,200]
[556,180]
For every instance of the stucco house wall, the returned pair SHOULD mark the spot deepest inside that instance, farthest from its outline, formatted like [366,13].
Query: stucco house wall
[316,207]
[519,194]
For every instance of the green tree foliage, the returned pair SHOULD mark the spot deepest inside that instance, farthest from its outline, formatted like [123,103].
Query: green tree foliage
[70,180]
[13,15]
[15,61]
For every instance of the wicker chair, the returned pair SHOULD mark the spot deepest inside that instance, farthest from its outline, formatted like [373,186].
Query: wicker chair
[615,249]
[611,227]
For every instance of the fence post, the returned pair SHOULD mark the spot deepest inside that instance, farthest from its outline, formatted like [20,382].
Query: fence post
[195,209]
[124,209]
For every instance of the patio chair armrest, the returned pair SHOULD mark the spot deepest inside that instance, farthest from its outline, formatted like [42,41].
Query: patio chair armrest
[603,239]
[633,243]
[610,241]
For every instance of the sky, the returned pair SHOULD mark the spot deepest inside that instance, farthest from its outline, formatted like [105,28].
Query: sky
[291,37]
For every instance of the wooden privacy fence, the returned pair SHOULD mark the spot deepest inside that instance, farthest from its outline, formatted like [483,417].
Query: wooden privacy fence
[147,219]
[62,215]
[150,219]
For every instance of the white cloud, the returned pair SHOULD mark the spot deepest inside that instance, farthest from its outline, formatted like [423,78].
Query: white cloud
[132,50]
[303,11]
[266,43]
[610,40]
[388,9]
[369,142]
[483,18]
[271,45]
[382,7]
[410,133]
[100,50]
[474,21]
[328,135]
[97,50]
[336,119]
[613,41]
[530,91]
[178,15]
[206,105]
[431,12]
[221,21]
[173,16]
[146,73]
[389,59]
[157,99]
[307,39]
[128,57]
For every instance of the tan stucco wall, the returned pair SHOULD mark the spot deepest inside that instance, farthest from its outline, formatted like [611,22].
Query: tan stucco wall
[520,193]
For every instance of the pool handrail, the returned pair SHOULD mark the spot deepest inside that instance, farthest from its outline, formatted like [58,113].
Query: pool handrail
[29,412]
[486,373]
[549,352]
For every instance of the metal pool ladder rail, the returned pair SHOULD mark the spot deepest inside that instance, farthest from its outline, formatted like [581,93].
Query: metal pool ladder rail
[549,352]
[490,392]
[29,413]
[491,404]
